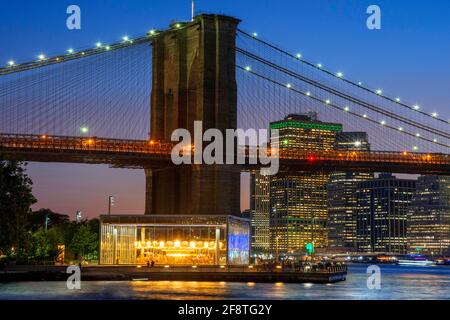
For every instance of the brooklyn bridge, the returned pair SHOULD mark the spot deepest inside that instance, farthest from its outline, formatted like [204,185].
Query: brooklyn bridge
[119,103]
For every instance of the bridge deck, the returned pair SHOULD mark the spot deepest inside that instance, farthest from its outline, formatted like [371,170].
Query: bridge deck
[153,154]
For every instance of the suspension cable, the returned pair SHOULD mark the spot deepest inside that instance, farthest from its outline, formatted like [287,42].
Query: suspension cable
[343,95]
[332,104]
[353,83]
[101,49]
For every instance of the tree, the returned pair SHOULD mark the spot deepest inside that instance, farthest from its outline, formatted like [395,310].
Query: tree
[94,224]
[44,245]
[16,199]
[84,242]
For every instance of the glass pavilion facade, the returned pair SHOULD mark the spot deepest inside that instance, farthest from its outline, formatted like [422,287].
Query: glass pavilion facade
[174,240]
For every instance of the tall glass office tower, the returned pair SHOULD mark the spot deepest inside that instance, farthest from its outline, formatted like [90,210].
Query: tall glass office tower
[429,216]
[298,200]
[383,205]
[259,212]
[342,202]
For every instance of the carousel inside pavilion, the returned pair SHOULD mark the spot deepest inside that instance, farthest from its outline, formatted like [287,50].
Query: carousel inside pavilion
[174,240]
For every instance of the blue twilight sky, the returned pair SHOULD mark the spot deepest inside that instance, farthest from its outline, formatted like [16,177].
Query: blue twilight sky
[408,57]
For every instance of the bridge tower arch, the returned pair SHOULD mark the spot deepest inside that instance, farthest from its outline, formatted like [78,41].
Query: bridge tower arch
[194,79]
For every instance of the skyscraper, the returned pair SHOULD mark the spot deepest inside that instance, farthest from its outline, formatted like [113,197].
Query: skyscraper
[342,201]
[383,205]
[429,216]
[259,212]
[298,200]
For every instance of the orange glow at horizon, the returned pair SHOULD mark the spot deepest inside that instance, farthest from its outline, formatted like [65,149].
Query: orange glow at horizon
[66,188]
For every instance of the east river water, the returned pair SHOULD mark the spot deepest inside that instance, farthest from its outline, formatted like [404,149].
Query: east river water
[397,282]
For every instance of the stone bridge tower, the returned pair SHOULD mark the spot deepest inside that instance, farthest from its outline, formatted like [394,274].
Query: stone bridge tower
[194,80]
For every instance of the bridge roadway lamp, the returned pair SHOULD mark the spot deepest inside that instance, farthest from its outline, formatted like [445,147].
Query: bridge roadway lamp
[84,129]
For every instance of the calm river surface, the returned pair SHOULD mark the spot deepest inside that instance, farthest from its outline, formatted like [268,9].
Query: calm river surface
[397,282]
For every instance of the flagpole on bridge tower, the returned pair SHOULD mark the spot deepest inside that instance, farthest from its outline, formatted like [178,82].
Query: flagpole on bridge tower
[193,10]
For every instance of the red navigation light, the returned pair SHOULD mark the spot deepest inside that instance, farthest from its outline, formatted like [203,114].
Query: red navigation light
[312,158]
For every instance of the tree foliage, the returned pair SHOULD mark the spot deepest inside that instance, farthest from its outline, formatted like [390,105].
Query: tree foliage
[16,199]
[22,233]
[44,245]
[84,242]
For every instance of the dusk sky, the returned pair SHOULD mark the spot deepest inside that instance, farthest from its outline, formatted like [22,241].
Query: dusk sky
[409,56]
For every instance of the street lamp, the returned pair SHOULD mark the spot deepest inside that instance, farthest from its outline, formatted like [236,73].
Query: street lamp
[110,204]
[312,235]
[277,238]
[47,220]
[78,216]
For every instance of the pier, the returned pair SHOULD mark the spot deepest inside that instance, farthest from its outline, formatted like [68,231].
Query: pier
[331,274]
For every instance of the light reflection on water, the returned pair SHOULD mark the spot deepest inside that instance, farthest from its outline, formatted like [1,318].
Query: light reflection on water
[396,283]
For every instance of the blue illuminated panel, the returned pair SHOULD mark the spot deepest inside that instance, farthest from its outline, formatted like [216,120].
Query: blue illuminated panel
[238,242]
